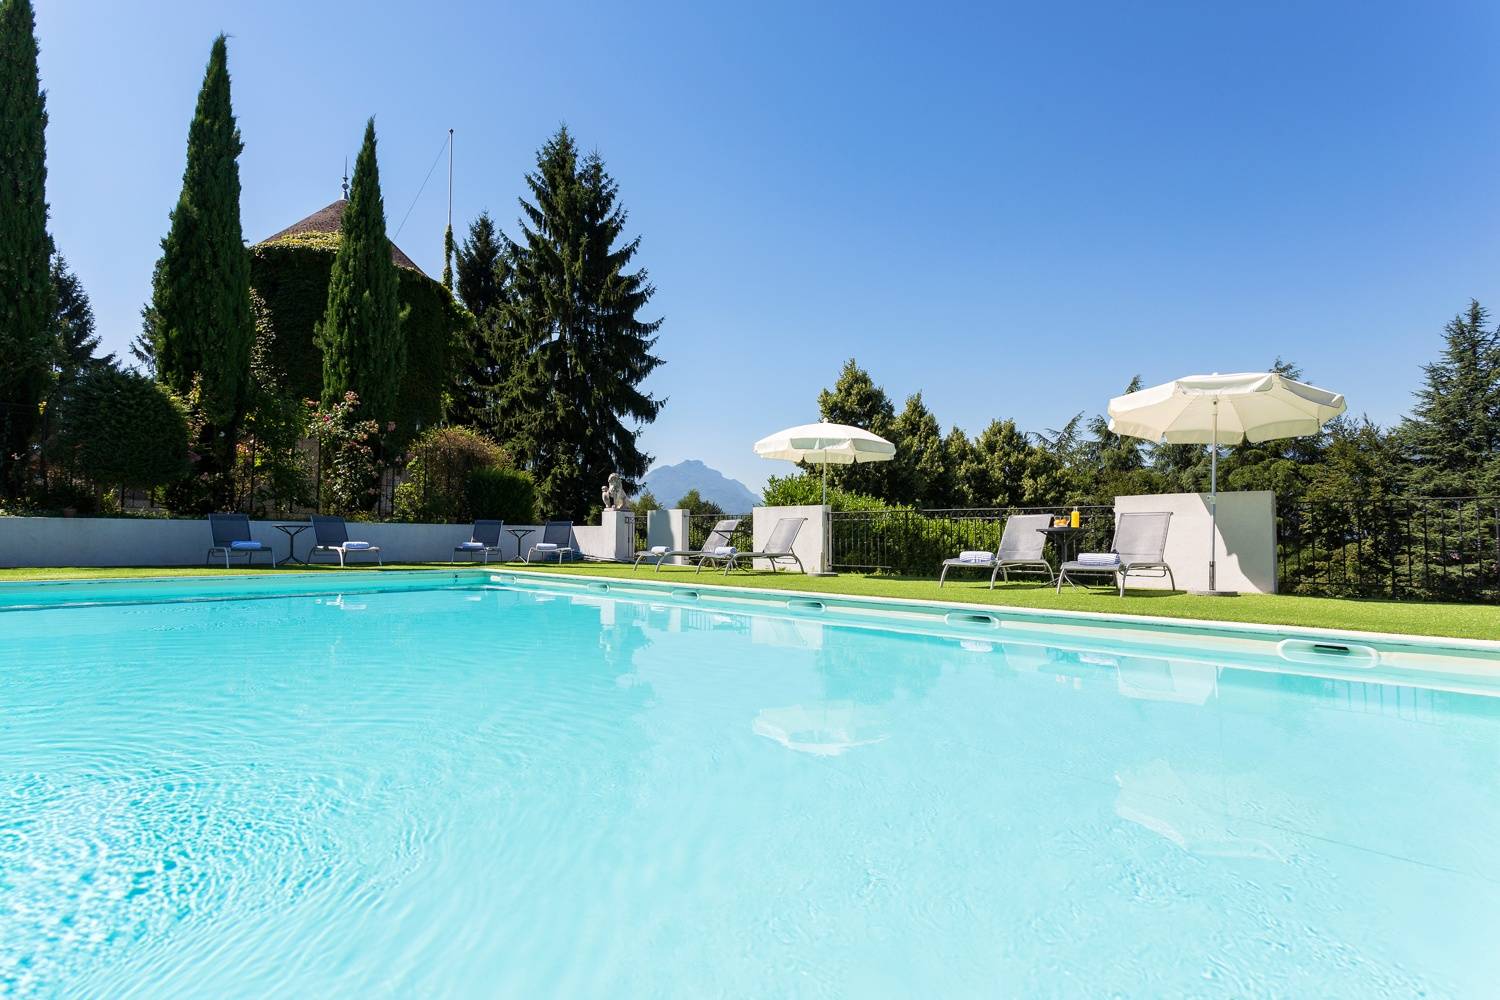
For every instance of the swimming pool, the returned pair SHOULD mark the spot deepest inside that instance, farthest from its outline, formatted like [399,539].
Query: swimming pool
[478,784]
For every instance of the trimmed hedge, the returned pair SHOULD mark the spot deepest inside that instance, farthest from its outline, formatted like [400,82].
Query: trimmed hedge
[506,494]
[123,429]
[291,276]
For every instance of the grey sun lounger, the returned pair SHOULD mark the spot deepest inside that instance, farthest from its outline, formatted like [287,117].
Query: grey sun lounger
[720,535]
[231,535]
[778,547]
[1020,549]
[557,537]
[484,538]
[1140,547]
[331,534]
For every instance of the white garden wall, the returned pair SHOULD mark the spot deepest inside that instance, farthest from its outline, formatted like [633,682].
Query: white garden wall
[809,543]
[1246,539]
[98,541]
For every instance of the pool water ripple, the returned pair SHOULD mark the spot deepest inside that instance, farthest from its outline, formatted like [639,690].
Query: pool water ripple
[495,792]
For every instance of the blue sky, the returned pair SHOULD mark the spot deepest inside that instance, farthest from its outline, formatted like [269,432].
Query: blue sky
[1011,208]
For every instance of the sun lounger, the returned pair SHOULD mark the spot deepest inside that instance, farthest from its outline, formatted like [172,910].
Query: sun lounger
[1140,547]
[1020,549]
[331,534]
[231,535]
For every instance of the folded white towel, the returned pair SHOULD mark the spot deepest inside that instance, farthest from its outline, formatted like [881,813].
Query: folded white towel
[1099,559]
[545,545]
[970,555]
[725,550]
[657,550]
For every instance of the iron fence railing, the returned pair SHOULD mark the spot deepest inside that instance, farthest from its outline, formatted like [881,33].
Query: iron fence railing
[1398,547]
[699,525]
[910,541]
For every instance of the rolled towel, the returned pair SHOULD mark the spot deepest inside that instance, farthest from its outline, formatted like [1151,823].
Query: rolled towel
[245,546]
[1104,559]
[471,546]
[658,550]
[356,545]
[975,556]
[545,546]
[725,550]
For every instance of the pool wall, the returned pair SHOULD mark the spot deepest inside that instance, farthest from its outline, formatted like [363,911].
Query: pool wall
[1324,652]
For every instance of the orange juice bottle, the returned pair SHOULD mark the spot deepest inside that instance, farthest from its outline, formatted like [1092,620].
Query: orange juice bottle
[1074,520]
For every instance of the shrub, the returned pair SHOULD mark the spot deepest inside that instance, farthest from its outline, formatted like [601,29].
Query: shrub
[123,429]
[349,475]
[506,494]
[807,488]
[437,477]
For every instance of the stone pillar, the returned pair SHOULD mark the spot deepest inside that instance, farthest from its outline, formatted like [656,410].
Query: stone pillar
[619,532]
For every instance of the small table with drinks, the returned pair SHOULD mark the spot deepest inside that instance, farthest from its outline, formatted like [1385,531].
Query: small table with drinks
[1064,535]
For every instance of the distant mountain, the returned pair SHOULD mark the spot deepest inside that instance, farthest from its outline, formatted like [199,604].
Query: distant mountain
[668,483]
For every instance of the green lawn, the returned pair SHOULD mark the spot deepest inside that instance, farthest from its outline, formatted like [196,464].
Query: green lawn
[1471,621]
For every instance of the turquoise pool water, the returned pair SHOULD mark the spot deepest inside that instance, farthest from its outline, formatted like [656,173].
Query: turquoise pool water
[500,792]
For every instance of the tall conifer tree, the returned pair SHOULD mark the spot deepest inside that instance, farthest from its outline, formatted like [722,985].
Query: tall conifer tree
[576,348]
[200,304]
[1453,434]
[27,344]
[364,349]
[483,276]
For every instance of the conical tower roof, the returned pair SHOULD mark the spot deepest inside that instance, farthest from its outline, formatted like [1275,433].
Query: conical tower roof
[325,222]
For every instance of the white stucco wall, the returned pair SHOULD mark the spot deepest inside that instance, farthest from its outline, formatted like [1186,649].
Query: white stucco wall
[1246,539]
[809,543]
[669,528]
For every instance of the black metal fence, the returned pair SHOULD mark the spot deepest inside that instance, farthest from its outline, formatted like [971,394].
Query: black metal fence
[1419,548]
[699,525]
[909,541]
[1423,548]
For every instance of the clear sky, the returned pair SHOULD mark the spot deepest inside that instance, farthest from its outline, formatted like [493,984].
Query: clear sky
[1013,208]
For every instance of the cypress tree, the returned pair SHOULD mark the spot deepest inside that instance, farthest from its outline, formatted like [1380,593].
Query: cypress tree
[576,349]
[360,334]
[27,345]
[202,326]
[448,258]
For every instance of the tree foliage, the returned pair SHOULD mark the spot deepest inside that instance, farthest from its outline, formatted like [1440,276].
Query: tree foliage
[570,403]
[483,279]
[123,429]
[364,351]
[27,341]
[437,476]
[77,343]
[200,320]
[1453,434]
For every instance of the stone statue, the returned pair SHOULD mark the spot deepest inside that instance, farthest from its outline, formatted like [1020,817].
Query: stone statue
[613,493]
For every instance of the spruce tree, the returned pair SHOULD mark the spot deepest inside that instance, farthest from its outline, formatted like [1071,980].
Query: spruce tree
[73,319]
[575,347]
[1453,433]
[361,332]
[200,304]
[27,345]
[482,275]
[482,268]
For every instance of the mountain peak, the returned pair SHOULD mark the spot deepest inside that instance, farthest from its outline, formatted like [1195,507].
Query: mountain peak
[669,483]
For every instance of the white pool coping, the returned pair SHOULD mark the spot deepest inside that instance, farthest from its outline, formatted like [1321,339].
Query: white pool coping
[1255,630]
